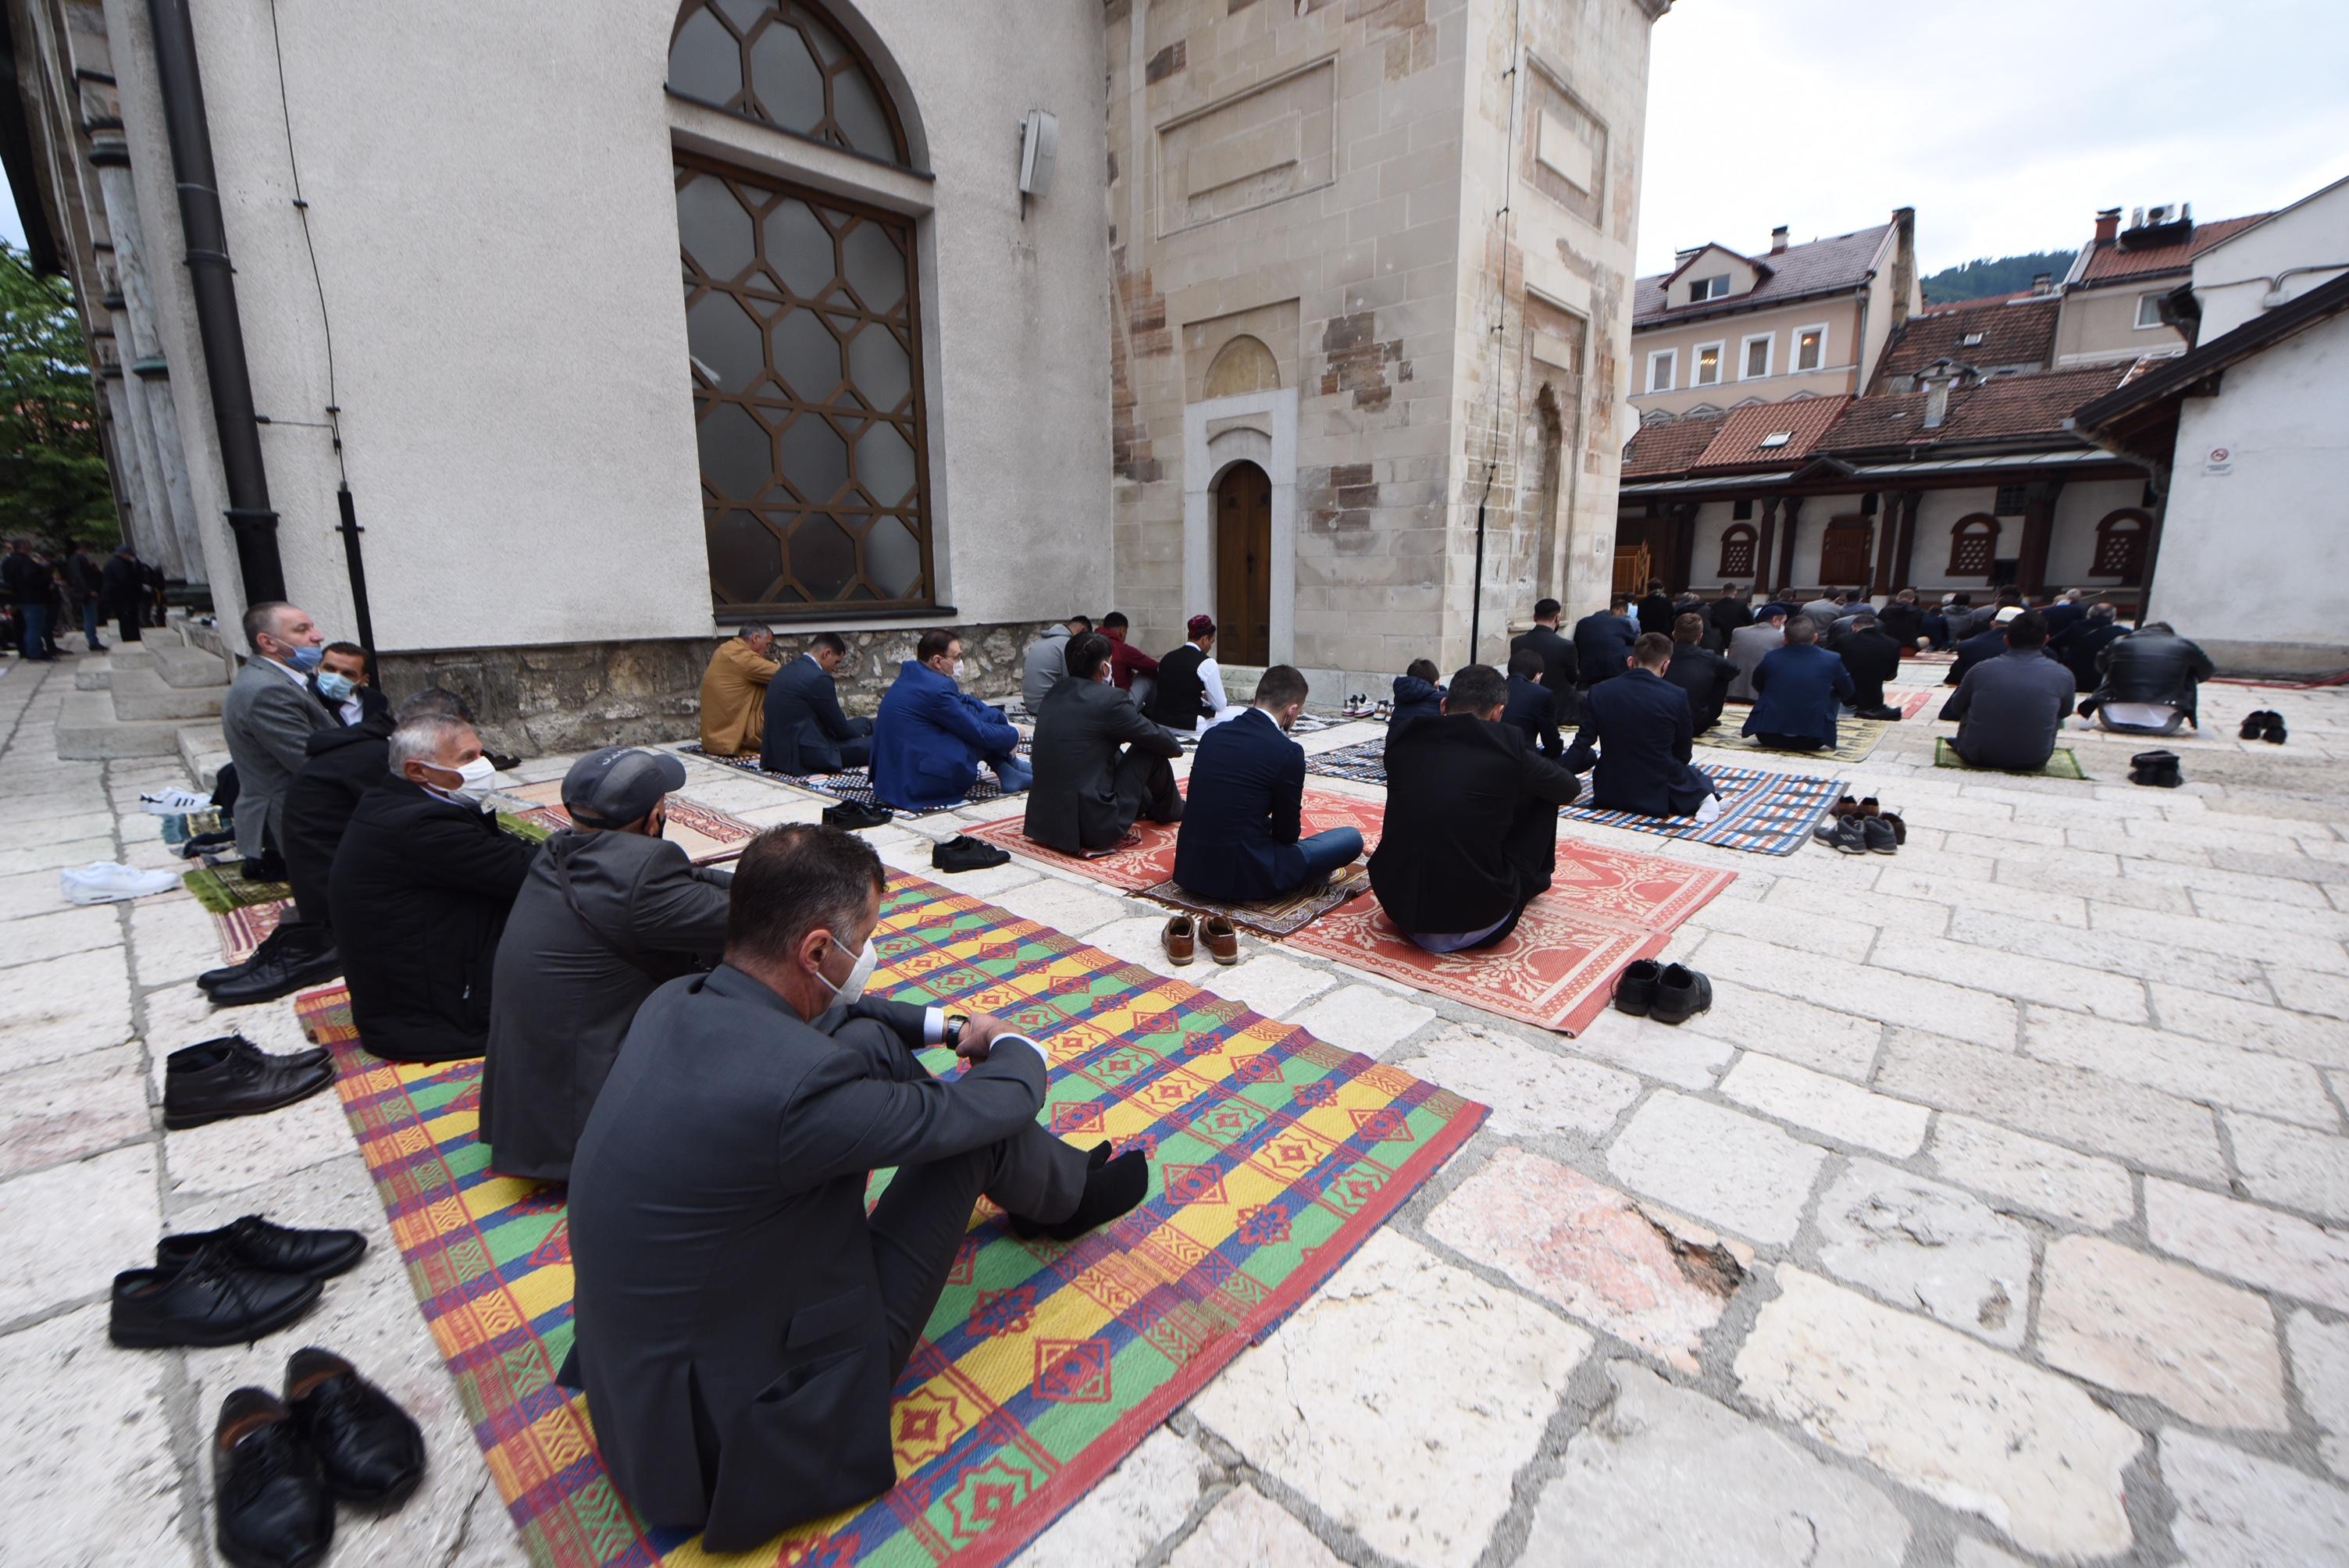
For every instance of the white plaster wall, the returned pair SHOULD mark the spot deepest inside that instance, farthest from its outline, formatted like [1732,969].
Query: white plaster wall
[2231,279]
[493,207]
[2278,517]
[2072,543]
[1938,511]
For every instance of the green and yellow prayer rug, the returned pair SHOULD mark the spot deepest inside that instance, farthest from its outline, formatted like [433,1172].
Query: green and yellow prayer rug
[2064,763]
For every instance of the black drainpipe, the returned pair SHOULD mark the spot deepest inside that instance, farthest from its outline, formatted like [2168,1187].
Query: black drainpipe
[250,516]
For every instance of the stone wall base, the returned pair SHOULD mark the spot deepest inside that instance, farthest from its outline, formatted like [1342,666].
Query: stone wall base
[575,697]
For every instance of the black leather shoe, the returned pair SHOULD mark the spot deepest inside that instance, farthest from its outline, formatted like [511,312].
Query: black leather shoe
[254,1243]
[2158,769]
[1681,993]
[270,1501]
[1112,1187]
[295,939]
[279,975]
[216,1080]
[963,853]
[210,1300]
[2271,728]
[849,817]
[1635,988]
[2253,722]
[504,761]
[371,1449]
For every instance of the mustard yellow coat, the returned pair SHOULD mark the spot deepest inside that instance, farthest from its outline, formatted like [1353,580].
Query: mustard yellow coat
[734,699]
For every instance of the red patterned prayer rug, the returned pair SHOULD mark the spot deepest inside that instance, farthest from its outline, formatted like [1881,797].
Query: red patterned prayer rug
[245,928]
[1273,1155]
[1149,860]
[1606,908]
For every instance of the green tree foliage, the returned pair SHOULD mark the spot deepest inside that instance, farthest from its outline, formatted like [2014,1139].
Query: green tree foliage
[2007,274]
[53,481]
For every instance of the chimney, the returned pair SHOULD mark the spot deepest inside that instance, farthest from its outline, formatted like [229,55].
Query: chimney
[1937,380]
[1778,238]
[2043,282]
[2108,225]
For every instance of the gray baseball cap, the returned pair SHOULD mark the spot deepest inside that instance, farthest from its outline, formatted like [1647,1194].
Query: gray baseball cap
[619,784]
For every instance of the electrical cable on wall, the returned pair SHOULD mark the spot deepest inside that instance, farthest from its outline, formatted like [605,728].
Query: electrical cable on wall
[1500,286]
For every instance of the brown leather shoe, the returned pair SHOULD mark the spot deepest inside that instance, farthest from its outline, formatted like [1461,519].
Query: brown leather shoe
[1223,942]
[1181,939]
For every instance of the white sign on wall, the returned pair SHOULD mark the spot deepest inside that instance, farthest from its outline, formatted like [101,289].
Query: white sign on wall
[2218,461]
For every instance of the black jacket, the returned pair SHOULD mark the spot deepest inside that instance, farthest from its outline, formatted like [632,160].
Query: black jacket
[1082,730]
[1562,670]
[342,764]
[2082,649]
[2152,665]
[804,725]
[1533,708]
[122,586]
[1903,623]
[1974,650]
[1640,730]
[1722,616]
[27,581]
[1657,614]
[420,889]
[1415,699]
[1470,828]
[2010,709]
[1180,700]
[1245,813]
[1873,658]
[1602,641]
[1705,676]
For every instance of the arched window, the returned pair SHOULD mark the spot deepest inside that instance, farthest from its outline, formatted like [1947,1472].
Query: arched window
[1973,546]
[788,66]
[1243,365]
[1737,550]
[2120,546]
[803,329]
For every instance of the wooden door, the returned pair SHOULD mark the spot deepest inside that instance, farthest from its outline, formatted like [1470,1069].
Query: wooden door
[1632,568]
[1244,566]
[1843,555]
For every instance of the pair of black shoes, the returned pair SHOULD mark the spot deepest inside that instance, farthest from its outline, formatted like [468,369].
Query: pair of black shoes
[226,1286]
[1112,1187]
[212,844]
[230,1076]
[850,816]
[963,853]
[2265,724]
[290,957]
[2156,769]
[279,1465]
[1668,993]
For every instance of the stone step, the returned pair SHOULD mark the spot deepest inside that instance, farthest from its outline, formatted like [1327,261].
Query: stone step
[204,753]
[191,667]
[92,674]
[143,693]
[88,731]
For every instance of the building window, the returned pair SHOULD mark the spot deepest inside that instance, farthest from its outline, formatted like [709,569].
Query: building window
[1810,348]
[1661,366]
[787,65]
[2148,311]
[1973,340]
[2120,546]
[1973,546]
[1738,549]
[2013,501]
[1756,363]
[807,391]
[1742,510]
[1703,289]
[1705,369]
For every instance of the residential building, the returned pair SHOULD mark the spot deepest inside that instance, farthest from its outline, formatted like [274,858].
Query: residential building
[2006,334]
[1352,252]
[1723,328]
[2113,295]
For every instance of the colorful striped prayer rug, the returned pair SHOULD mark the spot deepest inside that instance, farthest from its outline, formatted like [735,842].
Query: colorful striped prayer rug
[1768,813]
[855,784]
[1273,1156]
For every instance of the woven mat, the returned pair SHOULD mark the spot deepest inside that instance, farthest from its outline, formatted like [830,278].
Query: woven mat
[1273,1156]
[1855,739]
[1767,813]
[243,929]
[856,784]
[220,887]
[1912,701]
[1606,908]
[2064,763]
[1276,917]
[1364,762]
[181,826]
[705,833]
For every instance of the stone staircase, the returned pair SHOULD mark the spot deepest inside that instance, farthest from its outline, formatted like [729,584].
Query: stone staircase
[159,697]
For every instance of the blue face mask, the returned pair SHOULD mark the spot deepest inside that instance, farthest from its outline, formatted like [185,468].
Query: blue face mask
[306,659]
[335,686]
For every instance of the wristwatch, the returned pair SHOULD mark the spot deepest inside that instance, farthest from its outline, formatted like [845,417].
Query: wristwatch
[951,1036]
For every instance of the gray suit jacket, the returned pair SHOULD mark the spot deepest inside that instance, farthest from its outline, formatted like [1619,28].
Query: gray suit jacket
[267,720]
[1081,732]
[730,1335]
[1748,646]
[1044,665]
[602,920]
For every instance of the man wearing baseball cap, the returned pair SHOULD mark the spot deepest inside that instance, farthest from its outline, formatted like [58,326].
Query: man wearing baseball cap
[609,911]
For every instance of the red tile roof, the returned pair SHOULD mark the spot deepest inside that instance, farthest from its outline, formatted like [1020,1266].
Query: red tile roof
[1832,266]
[2034,405]
[2110,263]
[2015,330]
[1667,448]
[1931,308]
[1738,443]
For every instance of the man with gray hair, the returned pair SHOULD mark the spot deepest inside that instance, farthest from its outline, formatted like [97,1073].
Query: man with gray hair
[421,888]
[734,691]
[267,719]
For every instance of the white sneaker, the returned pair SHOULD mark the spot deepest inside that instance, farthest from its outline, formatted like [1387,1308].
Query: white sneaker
[175,802]
[104,881]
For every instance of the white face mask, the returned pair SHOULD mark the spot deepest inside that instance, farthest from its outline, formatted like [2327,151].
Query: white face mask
[850,989]
[958,669]
[475,782]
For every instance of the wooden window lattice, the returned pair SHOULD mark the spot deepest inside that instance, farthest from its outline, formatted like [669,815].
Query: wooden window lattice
[1737,552]
[1974,545]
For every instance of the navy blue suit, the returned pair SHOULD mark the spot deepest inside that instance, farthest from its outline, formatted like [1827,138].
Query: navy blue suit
[1533,708]
[1602,641]
[805,730]
[1798,690]
[1415,699]
[1642,730]
[1238,842]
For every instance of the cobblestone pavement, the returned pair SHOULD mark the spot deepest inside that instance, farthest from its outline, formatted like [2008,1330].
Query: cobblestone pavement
[1998,1212]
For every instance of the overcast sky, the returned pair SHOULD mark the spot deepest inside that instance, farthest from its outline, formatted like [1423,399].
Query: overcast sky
[2005,123]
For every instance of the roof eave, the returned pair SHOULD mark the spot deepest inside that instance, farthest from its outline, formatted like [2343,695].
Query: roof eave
[2175,377]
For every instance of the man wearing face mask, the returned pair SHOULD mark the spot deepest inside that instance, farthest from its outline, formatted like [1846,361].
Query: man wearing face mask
[608,911]
[421,886]
[741,1317]
[342,685]
[267,719]
[929,738]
